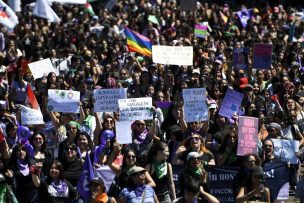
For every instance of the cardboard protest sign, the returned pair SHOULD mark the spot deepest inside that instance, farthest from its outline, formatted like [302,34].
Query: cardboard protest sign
[173,55]
[123,132]
[31,116]
[248,135]
[262,56]
[201,30]
[42,68]
[286,150]
[135,109]
[240,58]
[231,103]
[66,101]
[195,104]
[106,99]
[188,5]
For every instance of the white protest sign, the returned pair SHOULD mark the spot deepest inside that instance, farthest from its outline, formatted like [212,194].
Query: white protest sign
[31,116]
[286,150]
[106,99]
[123,132]
[172,55]
[66,101]
[42,68]
[195,104]
[135,109]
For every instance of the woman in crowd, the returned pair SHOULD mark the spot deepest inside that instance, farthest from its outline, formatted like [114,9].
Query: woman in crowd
[254,189]
[20,169]
[122,171]
[161,172]
[42,157]
[228,149]
[84,144]
[194,171]
[194,143]
[72,164]
[98,192]
[55,188]
[137,190]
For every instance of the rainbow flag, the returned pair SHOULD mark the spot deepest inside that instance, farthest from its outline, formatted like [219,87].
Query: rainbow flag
[138,43]
[200,30]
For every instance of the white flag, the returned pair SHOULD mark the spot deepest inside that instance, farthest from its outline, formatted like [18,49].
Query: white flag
[43,10]
[8,17]
[15,5]
[70,1]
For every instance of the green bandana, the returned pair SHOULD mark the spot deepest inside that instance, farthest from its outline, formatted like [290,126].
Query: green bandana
[196,171]
[89,121]
[160,169]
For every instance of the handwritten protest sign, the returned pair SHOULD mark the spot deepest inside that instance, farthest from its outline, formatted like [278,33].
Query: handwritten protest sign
[286,150]
[248,135]
[31,116]
[201,30]
[42,68]
[195,104]
[188,5]
[231,103]
[173,55]
[240,58]
[66,101]
[106,99]
[124,132]
[262,56]
[135,109]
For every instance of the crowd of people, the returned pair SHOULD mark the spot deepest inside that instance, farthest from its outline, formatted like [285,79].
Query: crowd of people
[47,166]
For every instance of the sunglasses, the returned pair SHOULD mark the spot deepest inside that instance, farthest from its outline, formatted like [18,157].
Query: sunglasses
[109,121]
[194,138]
[131,157]
[140,124]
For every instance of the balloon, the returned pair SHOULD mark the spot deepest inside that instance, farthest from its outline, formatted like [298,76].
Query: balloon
[106,135]
[23,133]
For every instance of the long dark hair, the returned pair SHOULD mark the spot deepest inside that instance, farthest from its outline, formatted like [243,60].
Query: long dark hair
[90,143]
[60,167]
[43,146]
[158,146]
[125,154]
[13,161]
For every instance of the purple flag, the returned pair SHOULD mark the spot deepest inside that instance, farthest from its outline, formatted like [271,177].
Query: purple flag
[164,105]
[83,185]
[244,16]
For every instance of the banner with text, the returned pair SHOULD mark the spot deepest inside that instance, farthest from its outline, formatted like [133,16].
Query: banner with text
[248,135]
[286,150]
[195,104]
[221,183]
[31,116]
[65,101]
[240,58]
[135,109]
[106,99]
[172,55]
[262,56]
[231,103]
[42,68]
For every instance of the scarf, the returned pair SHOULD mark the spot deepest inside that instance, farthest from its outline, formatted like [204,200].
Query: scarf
[88,121]
[139,190]
[196,171]
[160,169]
[60,188]
[23,167]
[2,192]
[102,198]
[140,138]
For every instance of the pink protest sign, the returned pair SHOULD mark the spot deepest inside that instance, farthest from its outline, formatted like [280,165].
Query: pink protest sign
[248,135]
